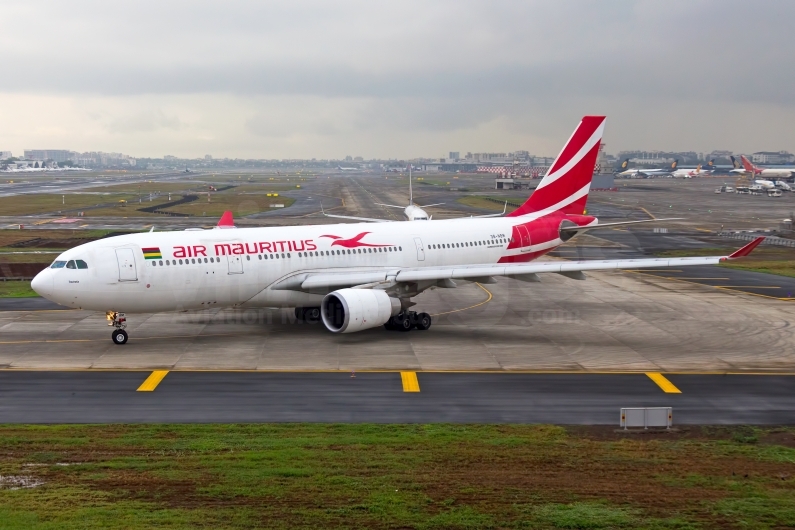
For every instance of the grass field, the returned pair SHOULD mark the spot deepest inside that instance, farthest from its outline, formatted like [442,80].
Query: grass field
[240,204]
[394,476]
[769,259]
[477,201]
[16,289]
[11,236]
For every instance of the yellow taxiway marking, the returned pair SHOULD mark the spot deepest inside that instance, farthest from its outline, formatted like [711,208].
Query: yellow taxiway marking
[647,212]
[152,381]
[704,230]
[42,222]
[747,286]
[723,288]
[410,383]
[652,270]
[696,278]
[376,371]
[486,301]
[667,386]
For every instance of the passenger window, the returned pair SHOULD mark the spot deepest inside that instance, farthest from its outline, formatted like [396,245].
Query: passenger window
[83,265]
[71,264]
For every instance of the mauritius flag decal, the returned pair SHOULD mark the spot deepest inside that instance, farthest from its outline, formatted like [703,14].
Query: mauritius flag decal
[152,253]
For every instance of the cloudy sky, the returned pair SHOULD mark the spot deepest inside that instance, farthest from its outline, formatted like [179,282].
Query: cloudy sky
[311,78]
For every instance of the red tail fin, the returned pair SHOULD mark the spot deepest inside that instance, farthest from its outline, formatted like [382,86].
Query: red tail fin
[747,164]
[565,187]
[226,221]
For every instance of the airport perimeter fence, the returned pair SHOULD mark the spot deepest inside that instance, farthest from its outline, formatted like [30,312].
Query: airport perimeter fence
[750,236]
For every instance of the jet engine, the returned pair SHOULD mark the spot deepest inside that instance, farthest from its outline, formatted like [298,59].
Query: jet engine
[350,310]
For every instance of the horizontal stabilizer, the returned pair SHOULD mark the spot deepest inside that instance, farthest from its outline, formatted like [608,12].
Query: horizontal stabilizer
[604,225]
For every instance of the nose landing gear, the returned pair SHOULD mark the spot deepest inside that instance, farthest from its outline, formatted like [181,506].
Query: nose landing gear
[118,321]
[408,320]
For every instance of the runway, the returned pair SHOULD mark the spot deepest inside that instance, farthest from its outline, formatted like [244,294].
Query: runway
[240,397]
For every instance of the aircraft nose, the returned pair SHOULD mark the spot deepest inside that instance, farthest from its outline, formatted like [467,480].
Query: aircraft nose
[42,283]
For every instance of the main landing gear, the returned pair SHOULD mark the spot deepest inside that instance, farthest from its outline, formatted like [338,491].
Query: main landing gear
[408,320]
[307,314]
[118,321]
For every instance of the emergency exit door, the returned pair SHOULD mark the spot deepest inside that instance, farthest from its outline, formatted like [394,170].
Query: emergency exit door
[235,264]
[420,249]
[524,238]
[126,260]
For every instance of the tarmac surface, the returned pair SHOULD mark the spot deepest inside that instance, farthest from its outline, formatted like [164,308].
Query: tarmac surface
[232,397]
[559,351]
[614,321]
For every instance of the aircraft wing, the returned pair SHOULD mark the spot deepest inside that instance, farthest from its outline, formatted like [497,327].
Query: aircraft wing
[578,229]
[365,219]
[322,281]
[504,209]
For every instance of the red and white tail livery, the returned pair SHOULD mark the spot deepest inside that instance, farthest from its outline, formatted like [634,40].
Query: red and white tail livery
[564,189]
[765,171]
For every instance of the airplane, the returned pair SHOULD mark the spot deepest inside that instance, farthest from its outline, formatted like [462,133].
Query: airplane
[412,212]
[347,168]
[765,184]
[633,173]
[749,167]
[690,172]
[351,277]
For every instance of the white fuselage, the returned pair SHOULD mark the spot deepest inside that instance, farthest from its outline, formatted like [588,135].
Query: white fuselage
[199,269]
[768,172]
[766,184]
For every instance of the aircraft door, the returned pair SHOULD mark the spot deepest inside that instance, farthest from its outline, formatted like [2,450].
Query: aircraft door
[235,264]
[126,261]
[524,238]
[420,249]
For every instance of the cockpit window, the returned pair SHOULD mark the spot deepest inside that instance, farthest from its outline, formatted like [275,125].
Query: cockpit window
[81,264]
[58,265]
[71,264]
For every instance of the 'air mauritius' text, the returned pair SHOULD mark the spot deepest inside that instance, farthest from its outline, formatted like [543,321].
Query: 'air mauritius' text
[229,249]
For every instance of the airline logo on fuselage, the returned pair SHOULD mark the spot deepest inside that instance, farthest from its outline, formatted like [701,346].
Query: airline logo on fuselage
[237,249]
[353,242]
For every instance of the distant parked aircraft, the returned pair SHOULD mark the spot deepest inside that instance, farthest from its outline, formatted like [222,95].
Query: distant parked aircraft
[645,172]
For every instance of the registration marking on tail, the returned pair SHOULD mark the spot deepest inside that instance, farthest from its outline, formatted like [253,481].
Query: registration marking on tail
[410,382]
[667,386]
[152,381]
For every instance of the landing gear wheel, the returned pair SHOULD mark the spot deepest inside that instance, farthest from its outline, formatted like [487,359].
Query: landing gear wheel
[423,321]
[312,314]
[119,336]
[404,324]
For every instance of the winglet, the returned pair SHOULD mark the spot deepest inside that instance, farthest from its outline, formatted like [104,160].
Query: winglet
[226,221]
[747,249]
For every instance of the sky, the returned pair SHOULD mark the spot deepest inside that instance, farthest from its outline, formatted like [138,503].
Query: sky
[400,79]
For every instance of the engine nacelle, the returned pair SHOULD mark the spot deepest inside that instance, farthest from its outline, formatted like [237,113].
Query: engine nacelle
[350,310]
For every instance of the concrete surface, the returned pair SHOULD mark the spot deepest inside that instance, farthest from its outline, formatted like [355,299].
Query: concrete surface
[614,321]
[110,397]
